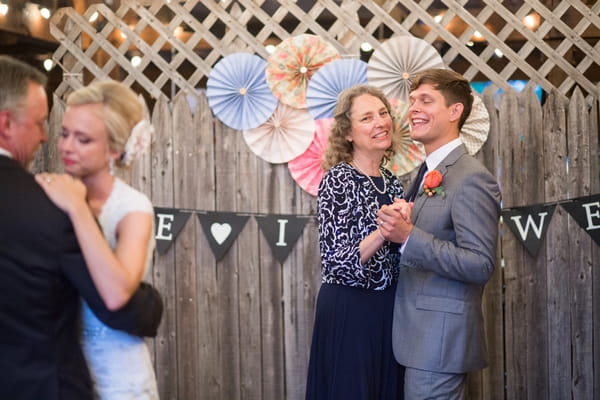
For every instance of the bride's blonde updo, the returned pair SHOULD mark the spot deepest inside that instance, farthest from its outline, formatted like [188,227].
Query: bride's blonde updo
[121,110]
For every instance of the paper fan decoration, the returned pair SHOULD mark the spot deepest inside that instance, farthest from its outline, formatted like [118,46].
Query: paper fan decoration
[238,93]
[395,63]
[285,135]
[410,154]
[327,83]
[306,169]
[293,63]
[476,128]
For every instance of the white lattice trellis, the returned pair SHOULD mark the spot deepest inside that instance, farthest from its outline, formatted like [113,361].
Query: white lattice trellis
[180,41]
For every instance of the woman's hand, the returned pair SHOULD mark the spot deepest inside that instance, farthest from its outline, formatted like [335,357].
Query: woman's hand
[64,191]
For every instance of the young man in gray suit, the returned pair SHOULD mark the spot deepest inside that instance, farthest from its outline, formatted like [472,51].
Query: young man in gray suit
[449,230]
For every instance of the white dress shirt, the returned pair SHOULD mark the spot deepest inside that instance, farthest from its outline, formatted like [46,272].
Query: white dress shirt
[4,152]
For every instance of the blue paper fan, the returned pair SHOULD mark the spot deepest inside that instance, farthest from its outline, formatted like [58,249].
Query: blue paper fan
[238,93]
[327,83]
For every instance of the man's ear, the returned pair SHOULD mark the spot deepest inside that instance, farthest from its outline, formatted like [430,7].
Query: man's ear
[456,111]
[5,121]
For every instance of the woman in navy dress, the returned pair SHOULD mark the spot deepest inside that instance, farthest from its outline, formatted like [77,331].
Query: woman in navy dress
[351,353]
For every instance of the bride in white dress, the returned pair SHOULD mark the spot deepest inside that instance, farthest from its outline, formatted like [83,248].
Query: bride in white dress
[103,127]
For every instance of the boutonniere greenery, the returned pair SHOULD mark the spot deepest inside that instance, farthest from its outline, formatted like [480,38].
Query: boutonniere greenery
[432,184]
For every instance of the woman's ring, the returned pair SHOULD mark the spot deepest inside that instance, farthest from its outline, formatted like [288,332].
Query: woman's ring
[48,179]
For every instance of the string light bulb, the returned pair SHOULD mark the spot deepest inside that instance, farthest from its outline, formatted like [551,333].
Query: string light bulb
[93,17]
[136,61]
[532,21]
[366,47]
[48,64]
[45,12]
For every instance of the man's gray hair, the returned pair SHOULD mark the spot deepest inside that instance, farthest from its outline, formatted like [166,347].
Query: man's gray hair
[15,76]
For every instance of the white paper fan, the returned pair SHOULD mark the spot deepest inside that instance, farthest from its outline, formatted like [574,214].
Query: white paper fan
[395,63]
[285,135]
[476,128]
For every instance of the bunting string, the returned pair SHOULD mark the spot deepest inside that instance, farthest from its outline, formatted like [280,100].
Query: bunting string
[528,223]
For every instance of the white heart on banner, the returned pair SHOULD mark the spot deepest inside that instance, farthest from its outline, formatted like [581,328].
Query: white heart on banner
[220,231]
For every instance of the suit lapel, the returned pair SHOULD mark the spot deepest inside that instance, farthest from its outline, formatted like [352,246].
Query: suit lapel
[443,168]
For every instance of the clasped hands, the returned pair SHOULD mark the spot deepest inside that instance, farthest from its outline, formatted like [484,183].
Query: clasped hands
[394,220]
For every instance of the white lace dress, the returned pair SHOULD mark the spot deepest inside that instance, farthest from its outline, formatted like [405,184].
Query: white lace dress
[119,363]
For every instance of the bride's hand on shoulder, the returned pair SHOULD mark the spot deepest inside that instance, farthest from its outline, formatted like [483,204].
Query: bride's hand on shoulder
[64,190]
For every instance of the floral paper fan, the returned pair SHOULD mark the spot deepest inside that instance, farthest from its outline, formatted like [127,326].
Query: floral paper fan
[327,83]
[410,154]
[395,63]
[306,169]
[285,135]
[476,128]
[293,63]
[237,91]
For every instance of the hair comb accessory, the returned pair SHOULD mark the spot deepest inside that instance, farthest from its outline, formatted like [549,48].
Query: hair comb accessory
[138,142]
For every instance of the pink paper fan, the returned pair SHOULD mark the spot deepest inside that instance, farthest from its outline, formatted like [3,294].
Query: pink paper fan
[306,169]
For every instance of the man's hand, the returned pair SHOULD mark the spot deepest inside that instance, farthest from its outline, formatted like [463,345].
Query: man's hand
[394,220]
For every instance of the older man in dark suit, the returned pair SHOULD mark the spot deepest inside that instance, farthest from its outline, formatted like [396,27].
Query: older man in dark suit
[43,272]
[448,254]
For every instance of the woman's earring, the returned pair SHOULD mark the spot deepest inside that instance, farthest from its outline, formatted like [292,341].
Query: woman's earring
[111,166]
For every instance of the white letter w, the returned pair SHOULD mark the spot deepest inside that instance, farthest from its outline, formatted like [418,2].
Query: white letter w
[530,223]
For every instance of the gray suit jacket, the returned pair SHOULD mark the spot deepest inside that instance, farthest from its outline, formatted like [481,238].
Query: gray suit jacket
[448,258]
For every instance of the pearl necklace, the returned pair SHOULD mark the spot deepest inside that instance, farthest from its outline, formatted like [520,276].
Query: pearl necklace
[384,191]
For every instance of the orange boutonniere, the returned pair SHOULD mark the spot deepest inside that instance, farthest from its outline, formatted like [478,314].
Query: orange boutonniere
[432,184]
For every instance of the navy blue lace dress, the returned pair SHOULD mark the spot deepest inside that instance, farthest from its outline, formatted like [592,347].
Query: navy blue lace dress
[351,352]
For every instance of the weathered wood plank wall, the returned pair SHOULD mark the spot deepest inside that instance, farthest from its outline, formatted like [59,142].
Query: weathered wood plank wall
[240,328]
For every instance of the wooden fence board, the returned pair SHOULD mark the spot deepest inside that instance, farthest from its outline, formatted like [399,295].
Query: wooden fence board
[140,175]
[48,159]
[555,150]
[595,188]
[187,197]
[532,167]
[228,267]
[164,271]
[580,251]
[249,274]
[272,195]
[511,184]
[492,305]
[202,177]
[301,278]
